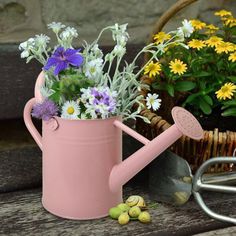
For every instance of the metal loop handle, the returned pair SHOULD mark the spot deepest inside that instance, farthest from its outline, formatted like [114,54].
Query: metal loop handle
[198,185]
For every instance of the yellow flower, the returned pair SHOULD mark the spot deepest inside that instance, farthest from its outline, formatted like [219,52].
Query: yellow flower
[152,69]
[161,37]
[229,21]
[211,29]
[177,67]
[224,47]
[213,41]
[226,91]
[197,24]
[232,57]
[223,13]
[195,43]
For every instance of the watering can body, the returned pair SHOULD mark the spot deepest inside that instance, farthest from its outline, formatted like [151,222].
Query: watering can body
[83,171]
[78,157]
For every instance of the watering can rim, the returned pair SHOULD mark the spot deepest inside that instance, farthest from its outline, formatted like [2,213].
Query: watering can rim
[117,117]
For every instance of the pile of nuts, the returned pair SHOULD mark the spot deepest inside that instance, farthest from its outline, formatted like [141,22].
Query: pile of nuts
[134,208]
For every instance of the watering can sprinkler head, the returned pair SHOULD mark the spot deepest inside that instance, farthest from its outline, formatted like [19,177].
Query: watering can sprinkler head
[187,123]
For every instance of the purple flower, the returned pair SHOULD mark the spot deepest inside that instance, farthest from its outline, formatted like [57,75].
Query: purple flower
[99,101]
[61,59]
[45,110]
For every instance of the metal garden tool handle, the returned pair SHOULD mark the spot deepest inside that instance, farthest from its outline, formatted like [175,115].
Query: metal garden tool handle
[198,185]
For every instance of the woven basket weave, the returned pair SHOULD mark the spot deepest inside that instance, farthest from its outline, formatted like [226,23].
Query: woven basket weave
[213,144]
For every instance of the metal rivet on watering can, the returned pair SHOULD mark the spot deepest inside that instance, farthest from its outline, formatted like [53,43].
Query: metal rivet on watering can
[52,124]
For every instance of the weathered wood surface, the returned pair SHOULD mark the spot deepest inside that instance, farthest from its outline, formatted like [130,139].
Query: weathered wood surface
[20,168]
[18,78]
[21,213]
[230,231]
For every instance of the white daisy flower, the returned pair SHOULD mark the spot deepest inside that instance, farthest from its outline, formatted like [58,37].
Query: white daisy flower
[56,26]
[93,68]
[187,28]
[70,110]
[119,34]
[152,101]
[41,40]
[119,50]
[69,33]
[26,46]
[97,51]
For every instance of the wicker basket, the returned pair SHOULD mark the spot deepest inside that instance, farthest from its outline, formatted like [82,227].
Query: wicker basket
[213,144]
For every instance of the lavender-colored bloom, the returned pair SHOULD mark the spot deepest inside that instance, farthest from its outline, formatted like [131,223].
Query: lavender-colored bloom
[45,110]
[100,102]
[103,98]
[61,59]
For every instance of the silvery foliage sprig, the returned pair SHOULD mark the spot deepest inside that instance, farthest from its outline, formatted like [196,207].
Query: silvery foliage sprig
[124,81]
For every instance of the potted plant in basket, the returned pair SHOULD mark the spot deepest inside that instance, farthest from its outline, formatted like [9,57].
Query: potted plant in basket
[202,78]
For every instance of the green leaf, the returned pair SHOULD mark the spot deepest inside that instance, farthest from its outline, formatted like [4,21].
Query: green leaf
[170,89]
[208,99]
[232,78]
[159,86]
[204,106]
[55,97]
[229,104]
[191,98]
[184,86]
[229,112]
[202,74]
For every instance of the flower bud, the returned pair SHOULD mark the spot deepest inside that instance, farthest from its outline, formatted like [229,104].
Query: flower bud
[123,219]
[134,211]
[144,217]
[115,212]
[124,207]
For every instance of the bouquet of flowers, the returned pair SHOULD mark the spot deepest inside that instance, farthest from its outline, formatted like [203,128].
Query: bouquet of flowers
[201,76]
[80,83]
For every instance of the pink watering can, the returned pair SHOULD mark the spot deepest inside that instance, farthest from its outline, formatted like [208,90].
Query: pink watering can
[83,172]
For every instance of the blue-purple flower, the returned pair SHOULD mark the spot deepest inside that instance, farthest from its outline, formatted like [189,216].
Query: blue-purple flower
[61,59]
[45,110]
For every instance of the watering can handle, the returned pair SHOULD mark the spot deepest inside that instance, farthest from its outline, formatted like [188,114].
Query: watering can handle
[29,124]
[131,132]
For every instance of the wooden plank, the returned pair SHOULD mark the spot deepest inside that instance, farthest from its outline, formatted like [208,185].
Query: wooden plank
[18,78]
[227,231]
[21,213]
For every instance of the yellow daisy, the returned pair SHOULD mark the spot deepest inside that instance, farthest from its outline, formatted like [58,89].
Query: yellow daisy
[177,67]
[197,24]
[232,57]
[213,41]
[195,43]
[224,47]
[229,21]
[152,69]
[226,91]
[222,13]
[161,37]
[211,29]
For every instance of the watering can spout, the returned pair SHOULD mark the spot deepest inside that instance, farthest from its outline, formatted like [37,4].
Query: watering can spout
[185,124]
